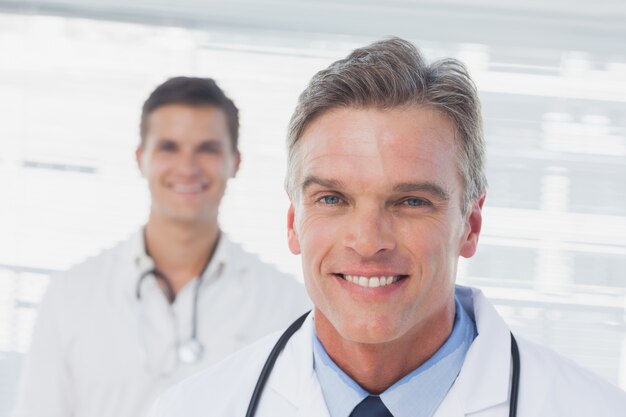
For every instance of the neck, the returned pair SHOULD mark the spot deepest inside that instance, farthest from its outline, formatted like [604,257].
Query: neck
[376,367]
[180,250]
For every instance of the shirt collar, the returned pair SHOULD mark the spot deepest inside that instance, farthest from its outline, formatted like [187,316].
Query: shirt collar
[417,394]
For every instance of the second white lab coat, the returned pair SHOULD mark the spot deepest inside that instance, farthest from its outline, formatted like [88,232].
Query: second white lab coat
[550,385]
[98,351]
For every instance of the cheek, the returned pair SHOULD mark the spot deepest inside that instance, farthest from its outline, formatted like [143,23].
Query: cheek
[311,243]
[319,239]
[431,245]
[318,234]
[157,166]
[218,168]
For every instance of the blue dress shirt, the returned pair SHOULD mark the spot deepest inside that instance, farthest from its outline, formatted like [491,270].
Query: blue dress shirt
[417,394]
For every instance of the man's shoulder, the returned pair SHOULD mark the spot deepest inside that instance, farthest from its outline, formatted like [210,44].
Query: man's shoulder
[559,384]
[74,297]
[91,275]
[224,388]
[99,264]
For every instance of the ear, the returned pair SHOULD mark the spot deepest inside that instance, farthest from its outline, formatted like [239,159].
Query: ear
[473,225]
[138,156]
[236,163]
[292,234]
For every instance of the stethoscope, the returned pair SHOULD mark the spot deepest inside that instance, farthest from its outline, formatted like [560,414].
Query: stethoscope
[284,338]
[191,350]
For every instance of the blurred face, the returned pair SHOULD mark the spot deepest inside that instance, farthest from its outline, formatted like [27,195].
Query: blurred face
[187,160]
[377,218]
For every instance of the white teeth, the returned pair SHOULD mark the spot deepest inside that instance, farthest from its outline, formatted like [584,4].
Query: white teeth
[184,188]
[371,282]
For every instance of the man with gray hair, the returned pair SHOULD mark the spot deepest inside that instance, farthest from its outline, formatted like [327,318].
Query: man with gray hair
[386,182]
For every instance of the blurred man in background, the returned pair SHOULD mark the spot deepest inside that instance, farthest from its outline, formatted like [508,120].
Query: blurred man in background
[117,329]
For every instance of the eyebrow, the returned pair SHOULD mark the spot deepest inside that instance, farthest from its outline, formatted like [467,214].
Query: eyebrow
[323,182]
[212,142]
[427,186]
[404,187]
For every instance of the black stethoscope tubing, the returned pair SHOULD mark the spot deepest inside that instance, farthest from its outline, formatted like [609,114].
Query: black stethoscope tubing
[284,338]
[171,294]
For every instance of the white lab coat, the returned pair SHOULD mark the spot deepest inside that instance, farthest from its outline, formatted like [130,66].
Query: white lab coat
[550,385]
[98,351]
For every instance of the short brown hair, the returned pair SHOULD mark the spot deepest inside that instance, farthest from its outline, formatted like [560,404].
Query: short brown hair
[192,91]
[392,73]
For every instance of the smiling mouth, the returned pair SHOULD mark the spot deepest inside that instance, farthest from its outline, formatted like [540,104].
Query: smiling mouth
[188,188]
[372,282]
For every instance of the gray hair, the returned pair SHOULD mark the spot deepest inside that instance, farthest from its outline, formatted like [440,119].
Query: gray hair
[393,73]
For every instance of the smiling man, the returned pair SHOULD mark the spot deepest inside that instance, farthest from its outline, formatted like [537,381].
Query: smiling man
[176,297]
[386,181]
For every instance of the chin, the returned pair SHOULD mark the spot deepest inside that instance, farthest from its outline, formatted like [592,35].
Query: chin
[369,331]
[186,218]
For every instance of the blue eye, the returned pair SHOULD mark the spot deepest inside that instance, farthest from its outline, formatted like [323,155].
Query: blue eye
[414,202]
[330,200]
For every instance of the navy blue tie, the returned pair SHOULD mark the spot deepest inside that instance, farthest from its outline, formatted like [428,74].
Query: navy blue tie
[371,407]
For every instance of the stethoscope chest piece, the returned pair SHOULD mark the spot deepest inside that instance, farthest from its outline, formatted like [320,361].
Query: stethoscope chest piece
[190,352]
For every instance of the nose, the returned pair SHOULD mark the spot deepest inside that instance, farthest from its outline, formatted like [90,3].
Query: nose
[187,164]
[369,232]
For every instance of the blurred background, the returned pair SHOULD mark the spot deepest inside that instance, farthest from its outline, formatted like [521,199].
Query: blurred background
[552,78]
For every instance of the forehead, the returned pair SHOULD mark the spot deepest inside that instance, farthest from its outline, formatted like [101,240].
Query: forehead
[372,146]
[181,120]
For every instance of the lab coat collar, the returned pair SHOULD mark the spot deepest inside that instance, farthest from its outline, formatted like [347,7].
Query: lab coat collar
[294,378]
[488,359]
[143,263]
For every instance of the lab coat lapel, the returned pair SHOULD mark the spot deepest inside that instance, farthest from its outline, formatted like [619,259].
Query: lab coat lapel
[484,378]
[313,403]
[294,378]
[452,405]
